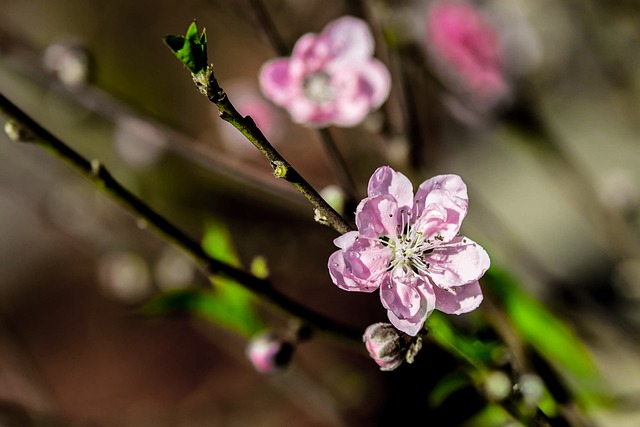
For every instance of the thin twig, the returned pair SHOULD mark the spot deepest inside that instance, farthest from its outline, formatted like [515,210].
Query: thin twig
[282,169]
[28,130]
[337,160]
[276,41]
[340,168]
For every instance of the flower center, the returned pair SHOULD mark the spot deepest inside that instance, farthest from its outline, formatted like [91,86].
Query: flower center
[317,88]
[409,246]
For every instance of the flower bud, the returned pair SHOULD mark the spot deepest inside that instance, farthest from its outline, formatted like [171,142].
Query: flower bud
[70,61]
[269,353]
[389,347]
[532,389]
[498,386]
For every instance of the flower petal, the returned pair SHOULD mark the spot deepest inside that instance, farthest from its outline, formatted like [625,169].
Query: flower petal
[453,185]
[305,111]
[350,40]
[276,82]
[360,88]
[360,265]
[459,262]
[409,300]
[443,191]
[375,82]
[346,240]
[458,300]
[387,181]
[377,216]
[310,54]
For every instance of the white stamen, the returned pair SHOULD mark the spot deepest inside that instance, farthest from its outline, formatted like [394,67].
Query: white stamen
[317,88]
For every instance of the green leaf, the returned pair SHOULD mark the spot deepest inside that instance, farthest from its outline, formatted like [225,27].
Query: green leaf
[541,329]
[221,306]
[231,304]
[493,415]
[217,243]
[191,49]
[474,351]
[446,386]
[228,303]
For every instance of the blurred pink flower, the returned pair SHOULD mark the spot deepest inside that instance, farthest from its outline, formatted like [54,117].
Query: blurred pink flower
[409,248]
[464,43]
[330,78]
[268,353]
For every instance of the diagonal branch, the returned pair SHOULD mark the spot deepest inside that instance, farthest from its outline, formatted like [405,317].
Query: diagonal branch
[23,128]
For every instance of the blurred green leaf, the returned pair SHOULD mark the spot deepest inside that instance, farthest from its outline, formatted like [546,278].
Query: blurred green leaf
[540,328]
[474,351]
[232,304]
[446,386]
[217,243]
[228,304]
[493,415]
[221,306]
[191,49]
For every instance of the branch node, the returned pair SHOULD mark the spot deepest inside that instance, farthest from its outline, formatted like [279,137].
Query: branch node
[321,218]
[280,169]
[18,133]
[96,166]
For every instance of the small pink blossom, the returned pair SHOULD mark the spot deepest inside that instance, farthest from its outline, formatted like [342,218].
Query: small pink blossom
[268,353]
[330,78]
[465,43]
[408,247]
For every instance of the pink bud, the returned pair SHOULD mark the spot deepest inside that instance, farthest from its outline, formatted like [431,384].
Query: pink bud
[386,345]
[268,353]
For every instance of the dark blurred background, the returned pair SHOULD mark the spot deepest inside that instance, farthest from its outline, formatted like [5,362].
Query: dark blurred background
[74,350]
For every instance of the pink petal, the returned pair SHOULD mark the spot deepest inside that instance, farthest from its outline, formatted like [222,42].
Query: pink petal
[457,263]
[276,82]
[377,216]
[359,267]
[345,240]
[409,301]
[452,185]
[458,300]
[310,53]
[446,192]
[349,110]
[350,40]
[305,111]
[387,181]
[376,82]
[360,88]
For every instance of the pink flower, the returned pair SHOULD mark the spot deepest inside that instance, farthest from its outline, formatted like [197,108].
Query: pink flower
[330,78]
[461,40]
[409,248]
[268,353]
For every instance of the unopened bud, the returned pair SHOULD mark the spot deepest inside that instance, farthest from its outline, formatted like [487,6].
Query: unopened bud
[389,347]
[17,132]
[269,353]
[532,389]
[69,61]
[498,386]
